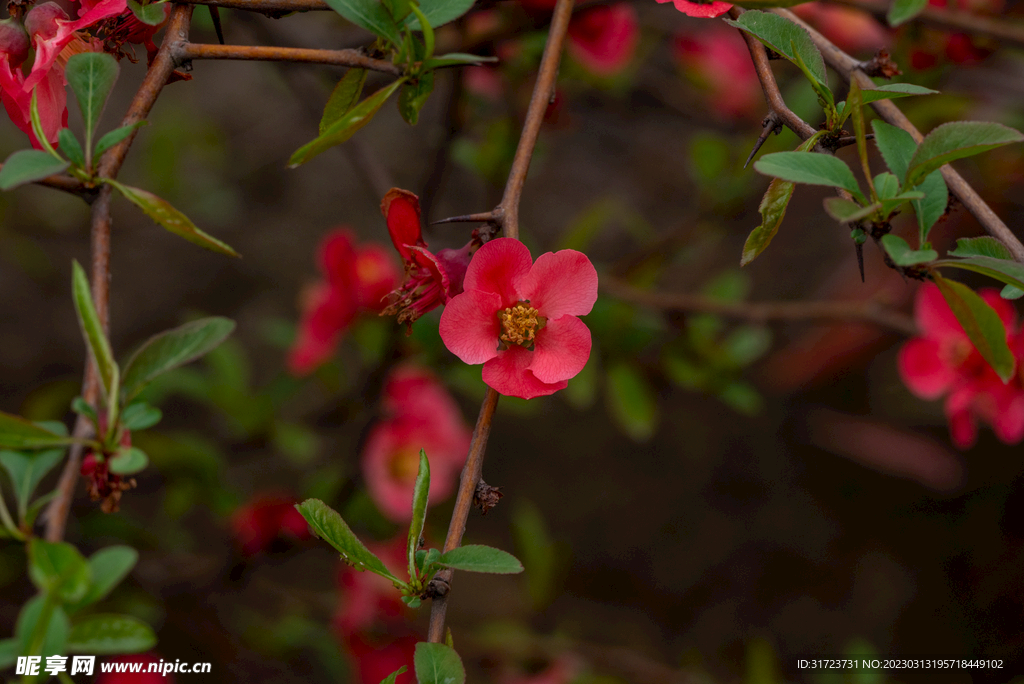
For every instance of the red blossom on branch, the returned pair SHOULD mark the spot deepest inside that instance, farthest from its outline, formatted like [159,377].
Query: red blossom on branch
[261,521]
[944,362]
[519,318]
[703,10]
[718,60]
[603,39]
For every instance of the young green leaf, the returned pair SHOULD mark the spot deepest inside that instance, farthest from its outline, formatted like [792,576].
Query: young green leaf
[57,627]
[95,338]
[933,206]
[887,186]
[390,679]
[370,15]
[1011,292]
[982,325]
[140,416]
[901,253]
[27,166]
[905,10]
[91,76]
[981,246]
[18,433]
[438,664]
[69,146]
[108,567]
[325,522]
[343,98]
[152,13]
[956,140]
[115,136]
[896,146]
[171,349]
[809,167]
[58,569]
[170,218]
[845,211]
[853,104]
[26,471]
[786,38]
[456,59]
[414,95]
[893,91]
[420,491]
[110,634]
[128,461]
[1009,272]
[773,209]
[631,402]
[477,558]
[439,12]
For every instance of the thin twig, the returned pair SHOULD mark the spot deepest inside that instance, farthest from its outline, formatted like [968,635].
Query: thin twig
[185,52]
[849,68]
[109,164]
[760,312]
[68,184]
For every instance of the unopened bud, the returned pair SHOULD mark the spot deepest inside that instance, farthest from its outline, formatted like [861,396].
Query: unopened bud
[41,20]
[14,41]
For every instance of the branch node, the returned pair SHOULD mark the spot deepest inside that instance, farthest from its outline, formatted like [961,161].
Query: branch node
[437,588]
[486,497]
[880,66]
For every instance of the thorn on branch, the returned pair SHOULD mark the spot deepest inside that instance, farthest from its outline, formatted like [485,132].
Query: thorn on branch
[881,66]
[483,217]
[486,497]
[215,18]
[771,124]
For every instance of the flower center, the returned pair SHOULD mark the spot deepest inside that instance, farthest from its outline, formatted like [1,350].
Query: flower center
[404,465]
[519,324]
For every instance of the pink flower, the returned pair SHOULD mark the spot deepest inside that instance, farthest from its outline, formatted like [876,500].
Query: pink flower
[367,597]
[718,60]
[144,676]
[944,362]
[421,415]
[263,520]
[430,279]
[519,318]
[357,279]
[603,39]
[704,10]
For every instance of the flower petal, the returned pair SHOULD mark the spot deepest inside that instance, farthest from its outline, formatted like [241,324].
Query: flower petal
[470,327]
[934,318]
[963,426]
[699,9]
[509,374]
[561,350]
[401,209]
[337,258]
[560,283]
[924,370]
[603,39]
[497,267]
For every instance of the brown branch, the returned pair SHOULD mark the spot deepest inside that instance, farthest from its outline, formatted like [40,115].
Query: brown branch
[849,68]
[951,20]
[109,164]
[184,52]
[60,181]
[761,312]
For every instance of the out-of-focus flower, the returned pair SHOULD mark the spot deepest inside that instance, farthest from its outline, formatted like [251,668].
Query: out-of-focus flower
[944,362]
[703,10]
[356,279]
[430,279]
[376,660]
[603,39]
[519,318]
[853,30]
[367,598]
[958,48]
[421,415]
[144,676]
[262,520]
[718,60]
[483,81]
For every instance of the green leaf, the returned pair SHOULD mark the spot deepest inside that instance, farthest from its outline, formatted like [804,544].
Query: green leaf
[10,649]
[414,95]
[328,525]
[896,146]
[92,332]
[105,634]
[809,167]
[773,209]
[170,218]
[1011,292]
[438,664]
[419,510]
[18,433]
[390,679]
[345,127]
[478,558]
[108,567]
[398,9]
[1009,272]
[456,59]
[957,140]
[115,136]
[140,416]
[27,166]
[631,402]
[981,246]
[128,461]
[91,76]
[786,38]
[172,348]
[904,10]
[845,211]
[982,325]
[26,471]
[68,144]
[893,91]
[57,629]
[933,207]
[903,255]
[887,186]
[81,406]
[820,87]
[57,568]
[152,13]
[343,98]
[439,12]
[370,15]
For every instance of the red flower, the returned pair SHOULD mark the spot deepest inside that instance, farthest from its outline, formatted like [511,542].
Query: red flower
[422,415]
[356,279]
[603,39]
[263,520]
[944,362]
[430,279]
[703,10]
[375,661]
[718,60]
[519,318]
[142,677]
[368,597]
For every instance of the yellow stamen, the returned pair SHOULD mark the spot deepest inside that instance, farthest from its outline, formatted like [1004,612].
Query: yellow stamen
[519,324]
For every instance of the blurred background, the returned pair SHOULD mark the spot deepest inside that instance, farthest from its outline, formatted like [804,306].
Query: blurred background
[709,501]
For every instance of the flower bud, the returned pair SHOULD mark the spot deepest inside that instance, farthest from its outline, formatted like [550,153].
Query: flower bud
[14,41]
[42,19]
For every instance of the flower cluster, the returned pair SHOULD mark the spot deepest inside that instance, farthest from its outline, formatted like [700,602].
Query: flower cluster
[943,362]
[356,279]
[102,484]
[958,48]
